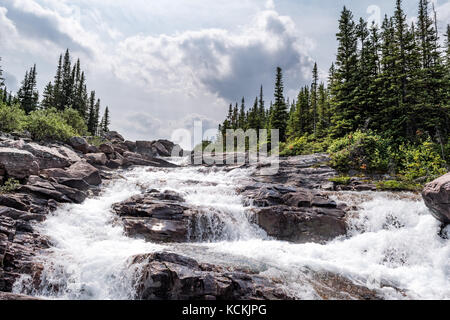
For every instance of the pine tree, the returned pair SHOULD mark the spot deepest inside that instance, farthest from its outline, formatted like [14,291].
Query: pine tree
[47,97]
[241,117]
[345,116]
[314,98]
[67,82]
[279,116]
[91,124]
[2,80]
[105,121]
[57,86]
[28,95]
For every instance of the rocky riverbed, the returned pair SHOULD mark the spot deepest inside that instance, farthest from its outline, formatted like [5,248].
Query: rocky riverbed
[118,221]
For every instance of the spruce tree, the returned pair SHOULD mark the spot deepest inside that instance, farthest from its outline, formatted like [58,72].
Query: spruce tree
[47,97]
[2,80]
[105,121]
[280,115]
[345,116]
[314,98]
[91,124]
[67,82]
[57,86]
[28,95]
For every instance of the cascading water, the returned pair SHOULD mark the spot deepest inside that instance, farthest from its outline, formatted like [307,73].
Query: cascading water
[393,241]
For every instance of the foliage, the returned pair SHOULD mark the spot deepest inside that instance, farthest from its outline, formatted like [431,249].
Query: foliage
[342,180]
[396,185]
[363,151]
[96,140]
[10,185]
[49,124]
[12,118]
[422,161]
[303,145]
[73,118]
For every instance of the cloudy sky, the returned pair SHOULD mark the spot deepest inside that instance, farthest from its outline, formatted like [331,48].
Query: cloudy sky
[159,65]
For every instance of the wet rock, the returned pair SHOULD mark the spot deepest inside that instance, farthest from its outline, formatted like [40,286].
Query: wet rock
[96,158]
[168,276]
[155,216]
[302,225]
[436,195]
[131,145]
[6,296]
[145,148]
[79,144]
[18,163]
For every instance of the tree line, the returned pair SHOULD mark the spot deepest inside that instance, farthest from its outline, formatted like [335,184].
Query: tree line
[68,90]
[392,79]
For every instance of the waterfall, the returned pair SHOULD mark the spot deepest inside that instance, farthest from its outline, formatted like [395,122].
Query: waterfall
[393,241]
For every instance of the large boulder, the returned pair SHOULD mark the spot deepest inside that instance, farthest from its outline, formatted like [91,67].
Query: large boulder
[96,158]
[51,157]
[295,214]
[145,148]
[168,276]
[80,173]
[79,144]
[114,136]
[155,216]
[106,148]
[302,225]
[436,195]
[18,163]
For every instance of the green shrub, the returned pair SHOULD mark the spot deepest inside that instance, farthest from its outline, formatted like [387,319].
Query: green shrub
[303,145]
[96,141]
[49,124]
[10,185]
[364,151]
[73,118]
[422,161]
[395,185]
[12,118]
[343,180]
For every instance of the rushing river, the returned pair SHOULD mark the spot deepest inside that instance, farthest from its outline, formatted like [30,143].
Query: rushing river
[393,241]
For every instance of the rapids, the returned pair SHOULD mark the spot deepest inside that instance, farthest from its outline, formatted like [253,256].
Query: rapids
[393,241]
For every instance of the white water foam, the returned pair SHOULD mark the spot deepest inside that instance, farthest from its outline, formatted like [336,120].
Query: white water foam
[393,242]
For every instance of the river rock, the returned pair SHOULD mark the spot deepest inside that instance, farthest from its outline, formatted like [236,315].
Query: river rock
[168,276]
[18,163]
[48,157]
[76,173]
[145,148]
[155,216]
[96,158]
[106,148]
[436,195]
[114,136]
[79,144]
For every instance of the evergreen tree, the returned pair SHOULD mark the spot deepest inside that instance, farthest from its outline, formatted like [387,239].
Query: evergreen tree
[57,86]
[345,116]
[314,98]
[91,123]
[28,95]
[105,121]
[2,80]
[279,116]
[241,117]
[67,82]
[47,97]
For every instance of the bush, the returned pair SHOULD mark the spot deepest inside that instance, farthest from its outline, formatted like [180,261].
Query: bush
[73,118]
[303,145]
[10,185]
[49,124]
[395,185]
[422,161]
[12,118]
[364,151]
[340,180]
